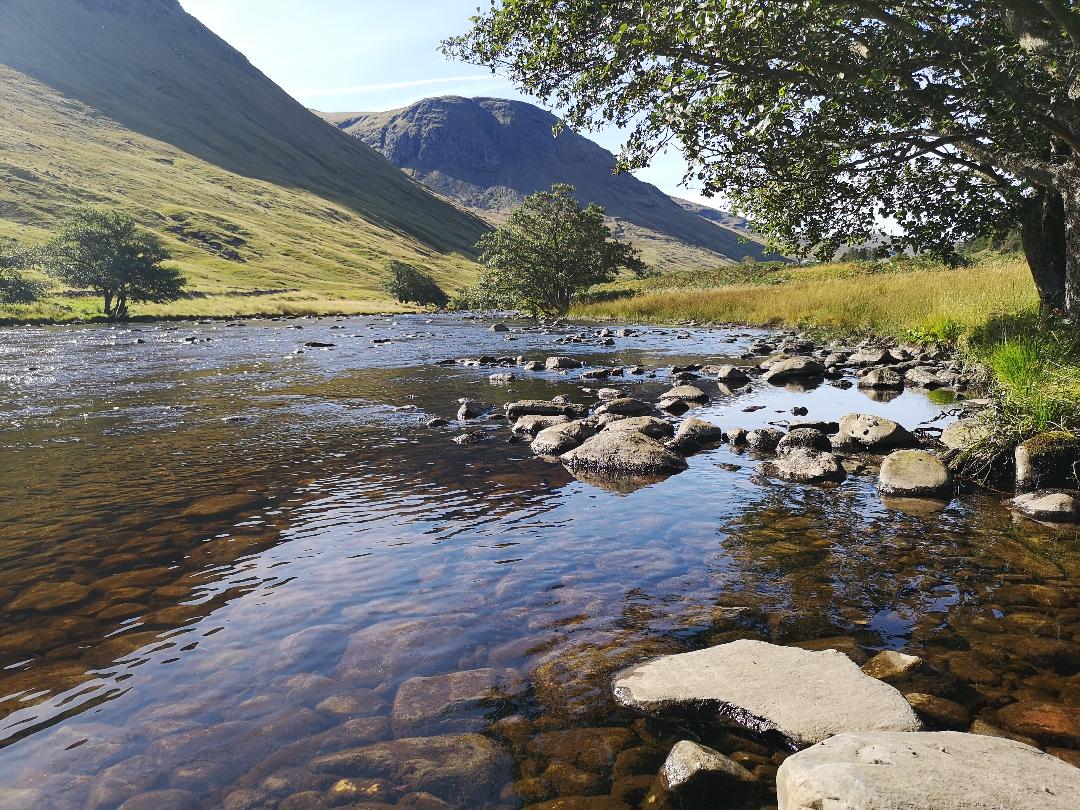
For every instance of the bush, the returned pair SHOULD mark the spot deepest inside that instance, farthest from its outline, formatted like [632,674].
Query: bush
[407,285]
[15,288]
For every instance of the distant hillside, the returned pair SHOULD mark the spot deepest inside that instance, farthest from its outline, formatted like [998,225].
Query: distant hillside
[135,103]
[488,154]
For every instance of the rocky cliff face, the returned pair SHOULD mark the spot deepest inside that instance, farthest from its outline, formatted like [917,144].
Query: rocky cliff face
[490,153]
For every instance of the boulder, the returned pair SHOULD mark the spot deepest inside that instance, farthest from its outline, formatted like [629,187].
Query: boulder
[882,379]
[914,474]
[764,440]
[794,368]
[732,376]
[965,433]
[871,357]
[939,712]
[1050,506]
[694,434]
[627,406]
[806,438]
[1048,461]
[803,696]
[473,409]
[736,437]
[867,432]
[943,770]
[692,770]
[558,439]
[923,377]
[608,394]
[676,407]
[500,327]
[614,452]
[466,769]
[823,425]
[651,426]
[532,424]
[554,363]
[534,407]
[801,465]
[686,393]
[455,702]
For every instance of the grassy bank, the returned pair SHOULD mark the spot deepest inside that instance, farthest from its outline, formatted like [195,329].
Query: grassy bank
[989,309]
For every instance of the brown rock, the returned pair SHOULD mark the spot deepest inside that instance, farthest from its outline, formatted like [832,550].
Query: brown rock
[1046,722]
[591,749]
[47,596]
[939,711]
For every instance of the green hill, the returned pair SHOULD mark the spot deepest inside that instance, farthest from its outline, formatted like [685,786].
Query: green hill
[135,104]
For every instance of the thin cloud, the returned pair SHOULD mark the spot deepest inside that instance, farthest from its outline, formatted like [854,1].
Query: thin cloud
[376,88]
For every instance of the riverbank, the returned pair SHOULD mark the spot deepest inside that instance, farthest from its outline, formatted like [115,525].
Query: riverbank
[989,311]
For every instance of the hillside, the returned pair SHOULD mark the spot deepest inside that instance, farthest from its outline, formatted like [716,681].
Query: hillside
[134,103]
[488,154]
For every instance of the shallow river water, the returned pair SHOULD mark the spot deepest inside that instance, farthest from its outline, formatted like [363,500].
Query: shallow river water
[220,559]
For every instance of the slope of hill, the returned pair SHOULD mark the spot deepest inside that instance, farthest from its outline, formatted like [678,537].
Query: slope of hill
[134,103]
[488,154]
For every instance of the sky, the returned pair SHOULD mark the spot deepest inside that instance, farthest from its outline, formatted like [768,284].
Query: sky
[368,55]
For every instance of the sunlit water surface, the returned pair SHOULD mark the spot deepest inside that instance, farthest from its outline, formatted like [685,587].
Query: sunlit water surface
[217,555]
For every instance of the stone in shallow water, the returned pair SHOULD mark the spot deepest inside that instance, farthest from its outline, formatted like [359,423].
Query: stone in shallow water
[627,406]
[1055,507]
[1046,722]
[649,425]
[463,768]
[452,702]
[890,664]
[794,368]
[803,696]
[689,393]
[965,433]
[869,432]
[804,466]
[214,506]
[624,453]
[694,434]
[943,770]
[46,596]
[914,474]
[558,439]
[531,424]
[885,379]
[690,765]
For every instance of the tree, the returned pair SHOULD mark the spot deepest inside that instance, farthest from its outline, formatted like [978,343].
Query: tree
[406,284]
[549,249]
[821,118]
[107,252]
[15,288]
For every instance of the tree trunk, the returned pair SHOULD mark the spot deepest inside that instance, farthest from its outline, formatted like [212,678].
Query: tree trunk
[1043,233]
[108,305]
[1071,195]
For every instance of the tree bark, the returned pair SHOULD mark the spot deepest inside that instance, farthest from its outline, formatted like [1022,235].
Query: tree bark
[1043,233]
[1071,196]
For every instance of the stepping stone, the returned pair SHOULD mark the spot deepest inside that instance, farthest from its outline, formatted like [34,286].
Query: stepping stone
[803,696]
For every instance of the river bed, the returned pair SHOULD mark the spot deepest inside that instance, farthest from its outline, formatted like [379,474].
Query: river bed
[223,553]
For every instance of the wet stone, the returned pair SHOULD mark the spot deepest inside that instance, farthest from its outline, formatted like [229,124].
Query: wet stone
[48,596]
[1050,506]
[914,474]
[624,453]
[869,432]
[651,426]
[939,712]
[215,506]
[589,749]
[891,664]
[451,703]
[1046,722]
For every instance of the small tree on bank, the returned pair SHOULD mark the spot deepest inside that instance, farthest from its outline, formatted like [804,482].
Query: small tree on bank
[107,252]
[409,285]
[15,288]
[954,118]
[550,249]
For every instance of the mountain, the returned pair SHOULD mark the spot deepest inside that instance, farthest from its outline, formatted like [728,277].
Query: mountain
[489,153]
[135,103]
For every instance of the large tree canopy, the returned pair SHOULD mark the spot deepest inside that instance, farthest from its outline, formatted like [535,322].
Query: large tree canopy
[819,118]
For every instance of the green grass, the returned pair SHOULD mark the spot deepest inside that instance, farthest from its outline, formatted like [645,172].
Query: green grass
[990,310]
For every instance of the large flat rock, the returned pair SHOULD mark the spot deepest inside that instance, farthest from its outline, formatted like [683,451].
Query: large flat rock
[803,696]
[943,770]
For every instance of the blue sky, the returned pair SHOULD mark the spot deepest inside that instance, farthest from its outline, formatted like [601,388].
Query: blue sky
[360,55]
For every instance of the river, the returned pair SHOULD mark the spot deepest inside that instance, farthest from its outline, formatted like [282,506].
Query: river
[223,552]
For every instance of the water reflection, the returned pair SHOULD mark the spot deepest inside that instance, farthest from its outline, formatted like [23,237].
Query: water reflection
[221,561]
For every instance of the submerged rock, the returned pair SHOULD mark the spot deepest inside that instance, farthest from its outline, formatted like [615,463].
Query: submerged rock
[914,474]
[452,702]
[694,772]
[803,696]
[868,432]
[466,769]
[944,770]
[891,664]
[614,452]
[1050,506]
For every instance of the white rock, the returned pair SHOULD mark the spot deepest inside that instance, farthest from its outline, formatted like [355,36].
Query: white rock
[805,696]
[943,770]
[689,762]
[1054,507]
